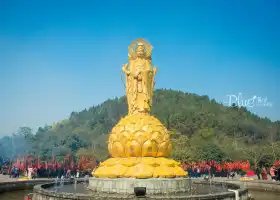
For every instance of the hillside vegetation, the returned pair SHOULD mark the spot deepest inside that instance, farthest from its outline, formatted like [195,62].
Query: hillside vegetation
[201,129]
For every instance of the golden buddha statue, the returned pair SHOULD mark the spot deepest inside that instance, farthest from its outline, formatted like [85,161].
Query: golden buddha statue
[139,78]
[139,142]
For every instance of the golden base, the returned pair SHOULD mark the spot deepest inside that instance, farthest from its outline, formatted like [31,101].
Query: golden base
[139,167]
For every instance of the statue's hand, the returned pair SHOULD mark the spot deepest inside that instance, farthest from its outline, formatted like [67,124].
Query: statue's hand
[124,69]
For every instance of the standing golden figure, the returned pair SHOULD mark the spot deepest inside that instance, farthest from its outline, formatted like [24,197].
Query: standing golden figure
[140,77]
[139,143]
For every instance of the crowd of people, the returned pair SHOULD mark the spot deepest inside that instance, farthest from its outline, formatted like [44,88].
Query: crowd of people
[231,170]
[264,173]
[34,172]
[209,171]
[32,167]
[214,169]
[14,172]
[195,170]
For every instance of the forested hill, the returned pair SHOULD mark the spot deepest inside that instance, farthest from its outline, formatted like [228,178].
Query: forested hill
[203,128]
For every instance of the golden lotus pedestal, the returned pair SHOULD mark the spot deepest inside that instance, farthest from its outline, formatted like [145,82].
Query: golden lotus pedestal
[141,167]
[138,145]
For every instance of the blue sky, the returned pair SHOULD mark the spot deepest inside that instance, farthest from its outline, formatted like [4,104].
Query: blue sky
[63,56]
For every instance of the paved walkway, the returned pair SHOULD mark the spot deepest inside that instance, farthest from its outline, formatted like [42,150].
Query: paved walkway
[5,178]
[237,178]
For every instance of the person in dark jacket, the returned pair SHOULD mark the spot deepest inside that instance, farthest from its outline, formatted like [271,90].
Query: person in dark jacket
[49,172]
[212,171]
[278,174]
[258,172]
[190,172]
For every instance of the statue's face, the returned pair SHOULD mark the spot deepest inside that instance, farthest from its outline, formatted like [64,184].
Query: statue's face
[140,50]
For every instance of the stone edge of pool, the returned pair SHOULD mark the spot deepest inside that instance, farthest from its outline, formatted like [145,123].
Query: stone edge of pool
[8,186]
[41,193]
[260,185]
[270,186]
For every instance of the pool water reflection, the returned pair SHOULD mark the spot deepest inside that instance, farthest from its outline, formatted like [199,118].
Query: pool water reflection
[15,195]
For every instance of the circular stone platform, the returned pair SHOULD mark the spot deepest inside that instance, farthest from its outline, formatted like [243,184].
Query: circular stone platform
[46,192]
[127,185]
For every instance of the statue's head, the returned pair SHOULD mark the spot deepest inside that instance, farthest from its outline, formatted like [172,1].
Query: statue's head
[140,50]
